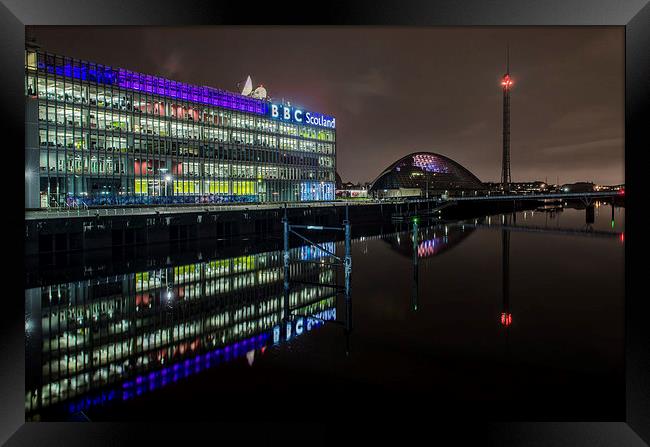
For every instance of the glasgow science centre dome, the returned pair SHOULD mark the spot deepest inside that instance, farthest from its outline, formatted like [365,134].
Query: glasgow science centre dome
[425,173]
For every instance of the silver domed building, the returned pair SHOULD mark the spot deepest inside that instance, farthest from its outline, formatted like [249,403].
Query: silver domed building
[425,174]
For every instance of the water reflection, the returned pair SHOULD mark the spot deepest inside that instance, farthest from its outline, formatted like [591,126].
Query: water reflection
[114,338]
[432,240]
[506,315]
[434,333]
[551,226]
[436,239]
[424,241]
[415,294]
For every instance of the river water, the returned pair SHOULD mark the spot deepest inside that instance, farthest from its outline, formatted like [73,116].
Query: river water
[501,317]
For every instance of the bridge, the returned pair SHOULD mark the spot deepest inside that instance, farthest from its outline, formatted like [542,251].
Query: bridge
[439,204]
[584,196]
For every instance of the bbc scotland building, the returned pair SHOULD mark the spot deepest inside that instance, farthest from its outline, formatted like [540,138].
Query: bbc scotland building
[102,136]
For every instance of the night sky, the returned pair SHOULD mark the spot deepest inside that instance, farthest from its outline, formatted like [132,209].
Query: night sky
[397,90]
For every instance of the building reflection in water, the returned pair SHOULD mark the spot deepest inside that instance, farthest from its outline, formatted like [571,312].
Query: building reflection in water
[434,240]
[423,242]
[113,338]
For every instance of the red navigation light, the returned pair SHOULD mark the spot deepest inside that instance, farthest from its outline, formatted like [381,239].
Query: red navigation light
[507,81]
[506,319]
[621,192]
[622,237]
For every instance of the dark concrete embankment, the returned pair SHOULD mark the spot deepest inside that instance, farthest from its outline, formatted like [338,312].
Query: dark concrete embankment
[83,230]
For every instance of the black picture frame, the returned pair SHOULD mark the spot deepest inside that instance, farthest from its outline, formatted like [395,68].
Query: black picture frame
[633,15]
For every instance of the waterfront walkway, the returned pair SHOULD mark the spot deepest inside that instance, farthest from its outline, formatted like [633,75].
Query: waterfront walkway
[56,213]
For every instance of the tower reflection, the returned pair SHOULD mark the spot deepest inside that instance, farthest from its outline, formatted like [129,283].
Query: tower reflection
[506,315]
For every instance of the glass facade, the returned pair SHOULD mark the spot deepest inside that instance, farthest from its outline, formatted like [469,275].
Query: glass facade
[116,337]
[109,136]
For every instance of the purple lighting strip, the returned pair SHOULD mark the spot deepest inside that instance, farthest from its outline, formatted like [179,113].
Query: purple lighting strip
[153,380]
[179,90]
[172,373]
[429,163]
[156,85]
[431,247]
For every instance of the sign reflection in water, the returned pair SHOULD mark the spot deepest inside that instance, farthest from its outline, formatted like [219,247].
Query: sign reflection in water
[114,338]
[222,307]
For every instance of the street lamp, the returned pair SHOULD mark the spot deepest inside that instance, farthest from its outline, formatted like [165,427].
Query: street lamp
[162,171]
[168,178]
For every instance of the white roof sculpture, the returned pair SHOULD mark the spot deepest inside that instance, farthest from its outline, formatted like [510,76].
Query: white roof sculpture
[248,87]
[259,92]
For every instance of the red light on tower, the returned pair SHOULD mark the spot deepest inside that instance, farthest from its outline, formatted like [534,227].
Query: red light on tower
[506,82]
[506,319]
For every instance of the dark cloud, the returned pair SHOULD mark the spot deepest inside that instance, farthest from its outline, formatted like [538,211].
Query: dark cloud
[397,90]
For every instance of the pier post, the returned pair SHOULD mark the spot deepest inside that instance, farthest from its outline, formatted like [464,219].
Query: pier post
[589,214]
[348,326]
[348,254]
[347,262]
[415,291]
[285,257]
